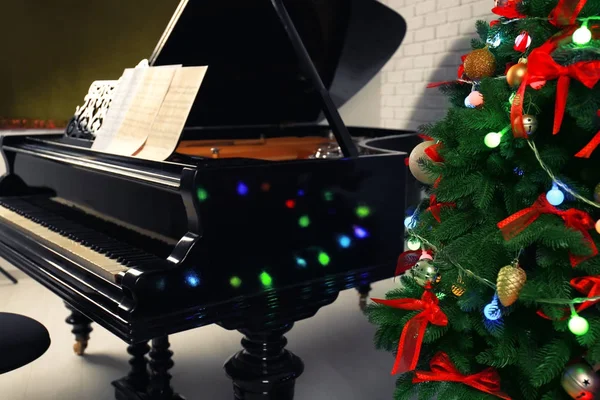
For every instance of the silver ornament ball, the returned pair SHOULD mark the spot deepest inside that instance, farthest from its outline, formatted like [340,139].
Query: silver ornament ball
[424,272]
[580,382]
[416,168]
[530,123]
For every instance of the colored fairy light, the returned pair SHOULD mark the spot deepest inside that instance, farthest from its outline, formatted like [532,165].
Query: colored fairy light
[300,192]
[161,284]
[324,259]
[202,194]
[304,221]
[512,98]
[413,244]
[492,139]
[235,281]
[555,196]
[242,189]
[266,279]
[363,211]
[410,222]
[518,171]
[290,203]
[192,279]
[495,41]
[328,196]
[492,311]
[360,233]
[265,187]
[582,35]
[468,103]
[344,241]
[578,325]
[301,262]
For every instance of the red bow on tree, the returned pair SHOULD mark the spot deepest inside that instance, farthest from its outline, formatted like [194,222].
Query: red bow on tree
[434,206]
[589,148]
[409,346]
[541,67]
[509,10]
[566,12]
[574,219]
[443,370]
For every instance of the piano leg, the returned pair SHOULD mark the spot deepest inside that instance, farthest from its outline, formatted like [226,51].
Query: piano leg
[363,294]
[264,370]
[141,385]
[82,326]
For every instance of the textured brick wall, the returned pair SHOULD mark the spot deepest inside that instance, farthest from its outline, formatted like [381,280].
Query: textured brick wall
[439,32]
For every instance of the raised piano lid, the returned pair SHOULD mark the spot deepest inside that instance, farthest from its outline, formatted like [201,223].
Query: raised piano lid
[254,76]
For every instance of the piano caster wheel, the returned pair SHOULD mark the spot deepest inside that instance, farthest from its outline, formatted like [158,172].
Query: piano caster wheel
[82,326]
[79,347]
[264,370]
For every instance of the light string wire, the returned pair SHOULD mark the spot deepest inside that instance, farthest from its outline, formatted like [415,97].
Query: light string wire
[582,19]
[564,187]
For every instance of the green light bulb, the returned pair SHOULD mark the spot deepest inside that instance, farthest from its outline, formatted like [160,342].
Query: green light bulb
[578,325]
[492,139]
[324,259]
[328,196]
[512,98]
[236,282]
[363,211]
[582,35]
[304,221]
[413,244]
[266,279]
[202,194]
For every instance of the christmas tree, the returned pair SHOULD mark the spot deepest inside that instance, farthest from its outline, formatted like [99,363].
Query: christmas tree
[499,295]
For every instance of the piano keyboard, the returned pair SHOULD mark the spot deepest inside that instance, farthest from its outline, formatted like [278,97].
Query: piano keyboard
[93,250]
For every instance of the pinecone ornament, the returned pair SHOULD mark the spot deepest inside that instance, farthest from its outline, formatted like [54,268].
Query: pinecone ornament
[511,280]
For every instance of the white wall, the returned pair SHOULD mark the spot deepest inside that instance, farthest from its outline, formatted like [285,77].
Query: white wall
[364,109]
[439,32]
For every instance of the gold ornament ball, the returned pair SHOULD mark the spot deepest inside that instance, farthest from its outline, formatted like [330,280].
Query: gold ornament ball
[424,272]
[511,280]
[580,382]
[416,168]
[515,74]
[597,193]
[480,64]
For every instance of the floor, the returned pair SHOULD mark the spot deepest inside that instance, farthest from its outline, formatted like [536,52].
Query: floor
[336,346]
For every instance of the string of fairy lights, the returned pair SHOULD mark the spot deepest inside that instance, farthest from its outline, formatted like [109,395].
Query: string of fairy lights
[555,196]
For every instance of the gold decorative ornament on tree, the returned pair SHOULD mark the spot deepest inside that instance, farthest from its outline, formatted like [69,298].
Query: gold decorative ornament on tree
[580,381]
[424,271]
[458,289]
[479,64]
[509,283]
[516,73]
[416,168]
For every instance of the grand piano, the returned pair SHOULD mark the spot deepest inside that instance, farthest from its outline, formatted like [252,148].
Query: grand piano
[264,213]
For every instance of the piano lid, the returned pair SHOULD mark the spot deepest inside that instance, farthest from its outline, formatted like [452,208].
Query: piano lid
[254,77]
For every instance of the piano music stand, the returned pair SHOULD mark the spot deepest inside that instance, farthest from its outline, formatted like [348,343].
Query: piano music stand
[9,276]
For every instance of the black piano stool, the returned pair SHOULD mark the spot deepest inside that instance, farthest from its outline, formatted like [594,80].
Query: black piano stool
[22,340]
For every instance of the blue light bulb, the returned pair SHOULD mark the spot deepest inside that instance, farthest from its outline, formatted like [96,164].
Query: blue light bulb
[555,196]
[242,189]
[410,222]
[192,279]
[360,233]
[492,311]
[301,262]
[344,241]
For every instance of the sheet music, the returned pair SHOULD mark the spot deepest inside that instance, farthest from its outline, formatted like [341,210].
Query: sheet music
[170,119]
[124,93]
[139,117]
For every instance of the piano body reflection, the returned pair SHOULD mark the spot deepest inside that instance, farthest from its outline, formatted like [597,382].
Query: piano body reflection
[259,218]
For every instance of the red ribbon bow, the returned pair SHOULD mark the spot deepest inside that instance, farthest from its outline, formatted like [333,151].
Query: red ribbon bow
[409,346]
[435,208]
[508,10]
[541,67]
[589,286]
[589,148]
[443,370]
[566,12]
[574,219]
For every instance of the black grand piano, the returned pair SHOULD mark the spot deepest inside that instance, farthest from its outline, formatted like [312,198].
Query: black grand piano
[260,217]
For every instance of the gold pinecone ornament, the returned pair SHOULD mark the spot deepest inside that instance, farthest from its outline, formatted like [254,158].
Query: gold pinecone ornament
[511,280]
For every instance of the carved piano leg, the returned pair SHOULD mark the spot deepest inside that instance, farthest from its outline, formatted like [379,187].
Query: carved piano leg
[135,385]
[363,292]
[141,385]
[81,329]
[160,363]
[264,370]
